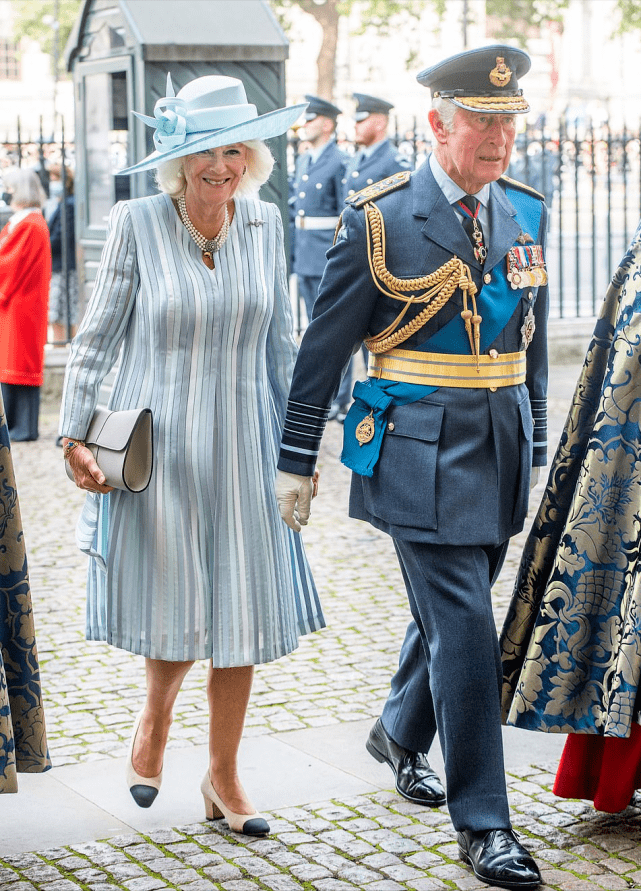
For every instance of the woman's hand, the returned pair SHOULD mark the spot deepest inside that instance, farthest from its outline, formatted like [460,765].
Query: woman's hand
[86,473]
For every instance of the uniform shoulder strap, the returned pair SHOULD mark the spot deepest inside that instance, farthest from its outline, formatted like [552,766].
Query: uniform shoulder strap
[377,190]
[522,187]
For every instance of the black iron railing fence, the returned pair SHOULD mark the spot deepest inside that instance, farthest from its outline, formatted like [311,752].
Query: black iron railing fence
[589,173]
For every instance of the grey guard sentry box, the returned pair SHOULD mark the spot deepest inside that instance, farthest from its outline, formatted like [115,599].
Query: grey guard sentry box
[119,53]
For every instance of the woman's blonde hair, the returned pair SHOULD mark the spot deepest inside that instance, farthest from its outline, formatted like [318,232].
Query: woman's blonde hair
[25,187]
[170,177]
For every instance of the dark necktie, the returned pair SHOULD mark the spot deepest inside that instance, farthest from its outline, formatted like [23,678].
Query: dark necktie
[469,207]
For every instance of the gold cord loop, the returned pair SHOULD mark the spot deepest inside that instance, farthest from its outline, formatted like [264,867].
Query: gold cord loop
[434,289]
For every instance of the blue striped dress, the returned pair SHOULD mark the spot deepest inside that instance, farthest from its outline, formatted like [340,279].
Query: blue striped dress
[200,565]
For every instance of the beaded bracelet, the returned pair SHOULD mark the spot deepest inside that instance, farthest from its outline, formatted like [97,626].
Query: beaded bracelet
[70,446]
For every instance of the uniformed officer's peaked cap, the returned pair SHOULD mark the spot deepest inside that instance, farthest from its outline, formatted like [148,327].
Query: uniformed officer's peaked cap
[317,106]
[484,79]
[368,105]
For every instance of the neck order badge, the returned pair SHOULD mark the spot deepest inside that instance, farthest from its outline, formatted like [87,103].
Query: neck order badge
[469,207]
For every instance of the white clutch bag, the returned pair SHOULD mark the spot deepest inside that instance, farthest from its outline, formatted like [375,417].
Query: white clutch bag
[122,444]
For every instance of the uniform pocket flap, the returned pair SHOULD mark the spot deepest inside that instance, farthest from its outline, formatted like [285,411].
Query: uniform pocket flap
[420,420]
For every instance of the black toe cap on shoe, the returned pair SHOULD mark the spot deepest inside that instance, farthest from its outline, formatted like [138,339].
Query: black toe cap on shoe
[257,826]
[144,796]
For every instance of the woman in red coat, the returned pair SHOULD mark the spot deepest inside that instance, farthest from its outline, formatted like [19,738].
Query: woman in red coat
[25,272]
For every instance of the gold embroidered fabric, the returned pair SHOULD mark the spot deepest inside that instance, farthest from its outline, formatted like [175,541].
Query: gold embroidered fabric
[23,740]
[571,642]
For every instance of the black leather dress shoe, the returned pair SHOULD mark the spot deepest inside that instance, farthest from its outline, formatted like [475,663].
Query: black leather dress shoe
[415,779]
[497,858]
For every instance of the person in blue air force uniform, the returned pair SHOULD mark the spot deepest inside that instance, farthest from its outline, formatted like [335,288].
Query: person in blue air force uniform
[376,157]
[317,197]
[442,273]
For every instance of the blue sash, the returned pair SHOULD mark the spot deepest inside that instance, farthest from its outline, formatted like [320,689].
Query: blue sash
[496,303]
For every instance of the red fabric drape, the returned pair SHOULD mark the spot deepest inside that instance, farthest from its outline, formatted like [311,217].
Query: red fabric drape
[25,273]
[602,769]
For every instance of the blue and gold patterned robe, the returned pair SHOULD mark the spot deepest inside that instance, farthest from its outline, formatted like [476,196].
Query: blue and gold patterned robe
[23,740]
[571,642]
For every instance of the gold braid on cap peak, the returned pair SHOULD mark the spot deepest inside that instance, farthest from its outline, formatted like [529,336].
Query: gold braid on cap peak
[437,288]
[491,103]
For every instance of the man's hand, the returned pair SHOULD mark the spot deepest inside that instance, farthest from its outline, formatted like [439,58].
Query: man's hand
[294,497]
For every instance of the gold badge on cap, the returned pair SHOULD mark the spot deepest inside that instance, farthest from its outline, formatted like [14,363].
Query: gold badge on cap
[501,75]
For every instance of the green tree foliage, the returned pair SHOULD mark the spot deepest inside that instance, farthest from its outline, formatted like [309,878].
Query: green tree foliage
[381,15]
[630,16]
[519,19]
[36,19]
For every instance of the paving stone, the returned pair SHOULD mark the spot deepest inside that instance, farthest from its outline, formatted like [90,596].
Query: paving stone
[42,873]
[256,866]
[282,883]
[222,872]
[309,871]
[60,885]
[128,870]
[426,884]
[149,883]
[200,885]
[333,885]
[90,876]
[204,858]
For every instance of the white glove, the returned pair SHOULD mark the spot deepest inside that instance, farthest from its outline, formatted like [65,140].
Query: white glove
[534,477]
[294,497]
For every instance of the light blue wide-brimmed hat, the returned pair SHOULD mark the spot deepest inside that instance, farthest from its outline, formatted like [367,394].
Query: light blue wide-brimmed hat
[208,112]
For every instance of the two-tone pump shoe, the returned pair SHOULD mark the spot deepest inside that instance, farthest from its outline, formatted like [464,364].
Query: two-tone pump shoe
[215,809]
[499,859]
[415,779]
[143,789]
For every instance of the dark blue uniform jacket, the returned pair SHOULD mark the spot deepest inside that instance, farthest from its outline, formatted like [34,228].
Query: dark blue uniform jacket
[317,192]
[383,162]
[454,467]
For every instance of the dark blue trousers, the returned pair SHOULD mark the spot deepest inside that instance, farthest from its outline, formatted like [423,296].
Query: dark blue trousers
[449,676]
[22,410]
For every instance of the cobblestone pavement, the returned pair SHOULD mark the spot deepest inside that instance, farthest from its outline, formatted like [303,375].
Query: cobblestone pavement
[376,841]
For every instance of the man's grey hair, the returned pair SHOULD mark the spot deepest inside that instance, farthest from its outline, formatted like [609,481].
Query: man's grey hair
[445,110]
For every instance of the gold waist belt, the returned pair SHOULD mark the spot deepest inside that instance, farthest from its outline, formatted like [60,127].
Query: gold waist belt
[443,370]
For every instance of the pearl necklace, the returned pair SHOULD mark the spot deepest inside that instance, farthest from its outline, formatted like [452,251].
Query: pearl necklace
[208,246]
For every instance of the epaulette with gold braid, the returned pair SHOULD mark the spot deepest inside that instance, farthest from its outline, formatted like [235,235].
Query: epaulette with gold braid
[376,190]
[515,184]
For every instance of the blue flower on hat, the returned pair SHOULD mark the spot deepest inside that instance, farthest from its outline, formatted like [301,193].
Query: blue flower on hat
[171,126]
